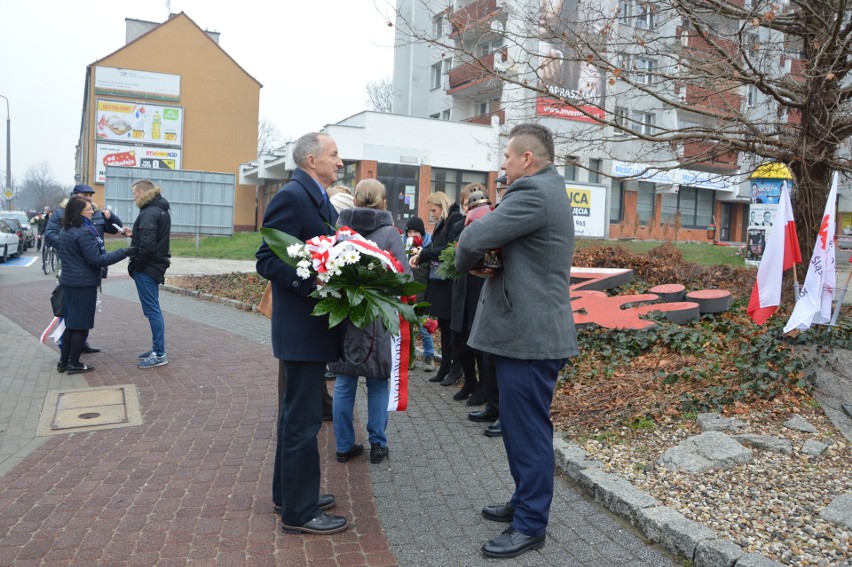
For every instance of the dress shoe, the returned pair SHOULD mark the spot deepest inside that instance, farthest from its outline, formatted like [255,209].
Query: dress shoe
[378,453]
[322,524]
[499,513]
[477,399]
[87,348]
[324,502]
[486,414]
[79,368]
[494,430]
[61,366]
[353,452]
[511,543]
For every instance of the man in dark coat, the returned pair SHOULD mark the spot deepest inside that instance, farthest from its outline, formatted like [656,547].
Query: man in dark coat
[151,236]
[302,343]
[534,229]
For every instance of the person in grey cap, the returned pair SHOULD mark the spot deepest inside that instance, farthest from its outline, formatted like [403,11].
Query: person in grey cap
[104,220]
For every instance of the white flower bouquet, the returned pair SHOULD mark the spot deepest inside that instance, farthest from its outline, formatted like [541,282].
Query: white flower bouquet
[355,278]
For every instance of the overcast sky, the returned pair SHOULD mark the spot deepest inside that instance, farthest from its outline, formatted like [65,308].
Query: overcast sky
[330,48]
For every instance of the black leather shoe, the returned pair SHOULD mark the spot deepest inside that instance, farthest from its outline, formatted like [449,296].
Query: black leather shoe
[378,453]
[324,502]
[87,348]
[79,368]
[322,524]
[494,430]
[353,452]
[61,366]
[499,513]
[511,543]
[486,414]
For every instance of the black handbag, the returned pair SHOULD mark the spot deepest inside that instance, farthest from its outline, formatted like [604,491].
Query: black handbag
[56,301]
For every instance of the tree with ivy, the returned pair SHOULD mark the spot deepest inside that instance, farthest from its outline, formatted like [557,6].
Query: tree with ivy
[715,85]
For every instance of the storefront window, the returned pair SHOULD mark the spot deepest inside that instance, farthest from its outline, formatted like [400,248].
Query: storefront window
[401,183]
[347,175]
[450,181]
[696,206]
[616,204]
[645,202]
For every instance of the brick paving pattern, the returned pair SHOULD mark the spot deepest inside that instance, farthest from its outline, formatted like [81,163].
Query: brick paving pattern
[192,483]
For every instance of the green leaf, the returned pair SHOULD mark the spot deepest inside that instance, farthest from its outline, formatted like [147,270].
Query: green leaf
[338,314]
[325,306]
[278,242]
[356,296]
[360,314]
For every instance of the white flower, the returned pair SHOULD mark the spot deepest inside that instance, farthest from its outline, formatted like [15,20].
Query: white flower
[303,272]
[351,256]
[295,251]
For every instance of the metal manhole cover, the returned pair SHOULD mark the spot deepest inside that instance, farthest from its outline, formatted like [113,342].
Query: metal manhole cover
[89,409]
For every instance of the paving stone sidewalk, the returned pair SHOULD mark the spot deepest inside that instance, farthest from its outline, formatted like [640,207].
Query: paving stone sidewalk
[191,484]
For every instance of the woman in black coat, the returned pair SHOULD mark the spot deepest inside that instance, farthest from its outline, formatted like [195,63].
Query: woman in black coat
[439,292]
[82,255]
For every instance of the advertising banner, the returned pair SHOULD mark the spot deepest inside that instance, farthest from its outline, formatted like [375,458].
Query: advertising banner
[139,122]
[589,204]
[566,75]
[134,156]
[133,83]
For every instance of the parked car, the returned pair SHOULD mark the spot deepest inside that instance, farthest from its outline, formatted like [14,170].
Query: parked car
[845,238]
[19,231]
[24,219]
[10,244]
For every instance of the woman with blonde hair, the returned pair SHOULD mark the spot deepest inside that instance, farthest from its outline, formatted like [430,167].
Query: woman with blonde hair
[367,351]
[439,292]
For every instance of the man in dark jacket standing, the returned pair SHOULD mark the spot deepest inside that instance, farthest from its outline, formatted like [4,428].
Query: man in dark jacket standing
[150,238]
[534,229]
[302,343]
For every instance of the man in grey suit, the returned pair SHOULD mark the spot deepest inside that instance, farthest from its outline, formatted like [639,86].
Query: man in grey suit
[534,228]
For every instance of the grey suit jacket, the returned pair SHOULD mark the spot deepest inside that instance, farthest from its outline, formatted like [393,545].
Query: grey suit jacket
[525,312]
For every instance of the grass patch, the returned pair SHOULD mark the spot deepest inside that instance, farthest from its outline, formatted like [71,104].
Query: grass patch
[240,246]
[701,253]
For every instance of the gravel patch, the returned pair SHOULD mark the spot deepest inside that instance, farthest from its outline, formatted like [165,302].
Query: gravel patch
[769,506]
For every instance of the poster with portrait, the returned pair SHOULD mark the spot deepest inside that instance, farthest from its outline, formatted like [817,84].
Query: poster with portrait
[755,245]
[761,216]
[767,191]
[565,74]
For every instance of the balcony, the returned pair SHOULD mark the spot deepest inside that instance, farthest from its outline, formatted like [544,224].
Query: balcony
[486,118]
[701,155]
[475,74]
[475,13]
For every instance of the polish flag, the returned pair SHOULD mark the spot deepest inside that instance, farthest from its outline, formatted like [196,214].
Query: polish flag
[817,295]
[781,254]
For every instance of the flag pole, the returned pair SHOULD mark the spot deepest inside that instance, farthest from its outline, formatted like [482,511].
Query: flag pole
[837,307]
[795,283]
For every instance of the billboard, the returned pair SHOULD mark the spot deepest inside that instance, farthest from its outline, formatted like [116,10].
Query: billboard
[134,156]
[565,75]
[134,83]
[139,122]
[589,208]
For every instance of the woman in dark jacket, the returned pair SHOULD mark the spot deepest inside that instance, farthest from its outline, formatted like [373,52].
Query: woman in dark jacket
[82,254]
[367,351]
[439,292]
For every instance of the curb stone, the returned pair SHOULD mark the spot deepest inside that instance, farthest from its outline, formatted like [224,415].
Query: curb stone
[660,524]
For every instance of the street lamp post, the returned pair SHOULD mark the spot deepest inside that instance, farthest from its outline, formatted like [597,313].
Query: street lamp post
[8,145]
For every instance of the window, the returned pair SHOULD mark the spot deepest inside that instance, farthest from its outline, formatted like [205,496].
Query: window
[637,13]
[438,27]
[450,181]
[483,107]
[620,119]
[753,45]
[696,206]
[616,204]
[751,96]
[645,69]
[570,169]
[644,122]
[595,166]
[490,47]
[445,115]
[645,202]
[436,75]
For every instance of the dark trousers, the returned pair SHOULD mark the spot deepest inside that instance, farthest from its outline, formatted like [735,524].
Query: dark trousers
[488,381]
[282,387]
[296,474]
[446,345]
[526,392]
[469,358]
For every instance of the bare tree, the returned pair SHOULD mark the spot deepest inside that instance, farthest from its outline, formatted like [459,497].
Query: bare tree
[380,95]
[40,188]
[713,85]
[269,137]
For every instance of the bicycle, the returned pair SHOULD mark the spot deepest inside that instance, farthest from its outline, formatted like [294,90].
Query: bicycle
[48,258]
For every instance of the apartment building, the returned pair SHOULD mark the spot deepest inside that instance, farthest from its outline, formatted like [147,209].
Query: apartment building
[473,61]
